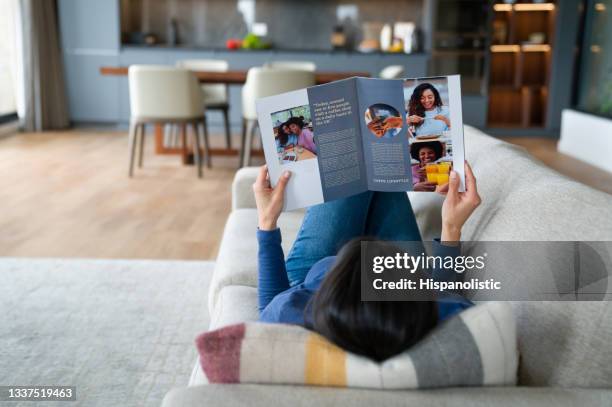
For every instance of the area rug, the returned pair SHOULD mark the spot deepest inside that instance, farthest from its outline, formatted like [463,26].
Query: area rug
[121,331]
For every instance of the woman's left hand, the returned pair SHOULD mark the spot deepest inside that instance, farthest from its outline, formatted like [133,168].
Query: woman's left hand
[269,200]
[443,118]
[458,206]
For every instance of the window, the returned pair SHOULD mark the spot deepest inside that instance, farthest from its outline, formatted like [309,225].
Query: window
[8,58]
[594,85]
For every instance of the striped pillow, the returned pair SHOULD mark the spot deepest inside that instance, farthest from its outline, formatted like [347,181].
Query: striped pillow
[477,347]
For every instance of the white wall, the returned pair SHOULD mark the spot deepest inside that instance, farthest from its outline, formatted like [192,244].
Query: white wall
[587,138]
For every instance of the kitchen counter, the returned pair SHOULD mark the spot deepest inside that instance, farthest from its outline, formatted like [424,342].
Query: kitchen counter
[187,47]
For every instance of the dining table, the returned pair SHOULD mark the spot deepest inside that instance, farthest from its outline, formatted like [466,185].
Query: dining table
[230,77]
[299,154]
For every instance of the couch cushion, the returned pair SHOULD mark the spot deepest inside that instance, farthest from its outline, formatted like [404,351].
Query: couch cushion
[522,199]
[235,304]
[474,348]
[237,259]
[565,344]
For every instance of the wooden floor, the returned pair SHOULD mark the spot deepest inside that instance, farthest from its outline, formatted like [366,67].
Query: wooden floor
[545,150]
[66,194]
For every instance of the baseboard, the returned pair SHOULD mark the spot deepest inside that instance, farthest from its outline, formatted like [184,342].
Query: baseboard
[587,138]
[9,129]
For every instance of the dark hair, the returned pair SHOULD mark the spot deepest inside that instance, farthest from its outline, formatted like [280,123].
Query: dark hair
[414,105]
[436,146]
[295,120]
[281,135]
[375,329]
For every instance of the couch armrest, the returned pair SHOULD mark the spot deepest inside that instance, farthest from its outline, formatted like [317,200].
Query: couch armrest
[257,395]
[242,191]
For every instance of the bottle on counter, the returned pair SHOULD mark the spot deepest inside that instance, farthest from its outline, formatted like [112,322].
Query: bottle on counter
[386,37]
[173,35]
[406,33]
[338,37]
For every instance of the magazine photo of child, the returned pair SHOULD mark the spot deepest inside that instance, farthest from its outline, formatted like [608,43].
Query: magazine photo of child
[293,134]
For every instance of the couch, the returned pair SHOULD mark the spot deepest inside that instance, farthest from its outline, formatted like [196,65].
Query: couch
[566,351]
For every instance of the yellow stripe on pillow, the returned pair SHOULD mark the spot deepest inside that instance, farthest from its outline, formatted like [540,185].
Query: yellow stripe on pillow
[325,363]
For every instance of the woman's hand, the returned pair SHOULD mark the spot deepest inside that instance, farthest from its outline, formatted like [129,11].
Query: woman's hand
[414,119]
[424,186]
[269,200]
[458,206]
[444,119]
[422,172]
[392,122]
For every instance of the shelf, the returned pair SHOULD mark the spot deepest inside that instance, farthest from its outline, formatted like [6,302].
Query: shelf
[524,7]
[522,107]
[459,52]
[453,34]
[512,87]
[520,68]
[519,48]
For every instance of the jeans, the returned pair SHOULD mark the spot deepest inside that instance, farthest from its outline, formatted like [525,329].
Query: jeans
[328,226]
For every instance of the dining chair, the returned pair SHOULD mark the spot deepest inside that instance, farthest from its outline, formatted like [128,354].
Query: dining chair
[299,65]
[216,95]
[165,95]
[392,72]
[262,82]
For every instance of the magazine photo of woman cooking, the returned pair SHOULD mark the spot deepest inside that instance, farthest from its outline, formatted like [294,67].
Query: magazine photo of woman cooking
[427,106]
[293,135]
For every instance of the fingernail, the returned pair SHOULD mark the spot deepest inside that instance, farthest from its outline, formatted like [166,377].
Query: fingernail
[286,174]
[453,175]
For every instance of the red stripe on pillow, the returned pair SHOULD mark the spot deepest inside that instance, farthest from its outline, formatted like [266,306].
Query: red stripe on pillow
[220,353]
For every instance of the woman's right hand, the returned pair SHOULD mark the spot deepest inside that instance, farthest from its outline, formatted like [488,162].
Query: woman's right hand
[269,200]
[425,186]
[458,206]
[414,119]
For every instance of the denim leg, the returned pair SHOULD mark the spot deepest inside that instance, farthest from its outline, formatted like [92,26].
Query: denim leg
[325,229]
[391,218]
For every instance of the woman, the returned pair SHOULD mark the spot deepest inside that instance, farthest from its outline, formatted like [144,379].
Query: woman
[316,288]
[426,112]
[284,138]
[425,153]
[304,135]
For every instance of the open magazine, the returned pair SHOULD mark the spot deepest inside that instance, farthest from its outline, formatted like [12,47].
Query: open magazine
[346,137]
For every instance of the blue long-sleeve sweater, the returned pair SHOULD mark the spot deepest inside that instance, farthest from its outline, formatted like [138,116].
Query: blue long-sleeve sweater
[281,303]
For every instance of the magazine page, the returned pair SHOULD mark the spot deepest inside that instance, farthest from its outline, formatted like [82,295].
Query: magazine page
[383,134]
[287,134]
[335,115]
[434,122]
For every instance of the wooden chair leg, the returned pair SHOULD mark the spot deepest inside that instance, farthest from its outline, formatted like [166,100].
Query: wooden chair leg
[228,132]
[132,146]
[174,141]
[143,130]
[243,133]
[185,151]
[196,149]
[206,144]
